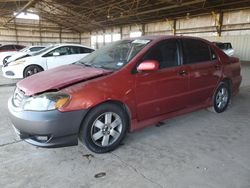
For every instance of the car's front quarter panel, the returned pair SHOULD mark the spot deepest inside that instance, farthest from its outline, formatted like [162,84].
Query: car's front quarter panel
[36,60]
[115,87]
[13,71]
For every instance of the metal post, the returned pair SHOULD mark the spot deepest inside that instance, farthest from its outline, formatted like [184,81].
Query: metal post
[15,31]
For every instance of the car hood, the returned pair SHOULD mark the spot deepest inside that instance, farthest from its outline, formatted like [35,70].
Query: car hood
[17,56]
[57,78]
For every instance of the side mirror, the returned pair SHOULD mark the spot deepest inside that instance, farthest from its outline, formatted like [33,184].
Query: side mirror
[148,65]
[56,54]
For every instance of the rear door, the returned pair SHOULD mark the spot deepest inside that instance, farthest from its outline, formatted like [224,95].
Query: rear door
[165,90]
[204,72]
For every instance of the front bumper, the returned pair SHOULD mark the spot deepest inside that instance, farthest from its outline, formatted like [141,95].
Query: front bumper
[46,128]
[15,71]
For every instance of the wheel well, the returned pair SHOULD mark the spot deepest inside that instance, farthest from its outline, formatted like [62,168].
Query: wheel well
[32,65]
[228,82]
[115,102]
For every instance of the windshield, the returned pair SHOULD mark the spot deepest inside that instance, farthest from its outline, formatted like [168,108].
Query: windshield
[114,56]
[24,49]
[43,50]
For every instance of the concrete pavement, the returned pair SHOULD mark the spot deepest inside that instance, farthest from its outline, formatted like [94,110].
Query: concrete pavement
[197,150]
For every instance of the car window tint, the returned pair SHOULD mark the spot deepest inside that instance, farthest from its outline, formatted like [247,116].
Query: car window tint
[166,53]
[228,46]
[74,50]
[18,47]
[7,47]
[33,49]
[65,50]
[195,51]
[85,50]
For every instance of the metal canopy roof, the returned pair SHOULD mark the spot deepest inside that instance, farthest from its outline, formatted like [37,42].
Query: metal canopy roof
[89,15]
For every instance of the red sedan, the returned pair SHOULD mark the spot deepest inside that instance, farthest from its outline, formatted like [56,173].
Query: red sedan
[124,86]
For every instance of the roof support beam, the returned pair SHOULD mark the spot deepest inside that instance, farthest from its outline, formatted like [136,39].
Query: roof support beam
[29,4]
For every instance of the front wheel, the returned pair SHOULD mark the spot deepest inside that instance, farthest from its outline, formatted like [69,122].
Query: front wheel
[104,128]
[32,69]
[221,98]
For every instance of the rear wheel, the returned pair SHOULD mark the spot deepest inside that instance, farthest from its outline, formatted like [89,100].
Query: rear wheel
[32,69]
[221,98]
[104,128]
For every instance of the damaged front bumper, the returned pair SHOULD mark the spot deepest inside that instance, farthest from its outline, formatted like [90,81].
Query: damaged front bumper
[46,128]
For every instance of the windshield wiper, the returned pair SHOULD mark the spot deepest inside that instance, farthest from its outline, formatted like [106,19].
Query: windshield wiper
[87,64]
[83,63]
[97,66]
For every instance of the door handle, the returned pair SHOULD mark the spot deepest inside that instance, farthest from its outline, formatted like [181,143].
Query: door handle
[183,73]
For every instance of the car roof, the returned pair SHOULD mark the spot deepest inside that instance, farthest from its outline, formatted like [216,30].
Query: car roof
[72,44]
[36,46]
[12,45]
[163,37]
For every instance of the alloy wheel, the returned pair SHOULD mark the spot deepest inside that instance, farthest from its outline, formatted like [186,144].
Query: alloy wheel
[106,129]
[222,98]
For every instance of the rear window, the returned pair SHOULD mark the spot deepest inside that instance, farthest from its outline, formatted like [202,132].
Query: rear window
[18,47]
[7,47]
[195,51]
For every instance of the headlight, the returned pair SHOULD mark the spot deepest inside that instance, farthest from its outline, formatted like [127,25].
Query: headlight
[17,62]
[46,101]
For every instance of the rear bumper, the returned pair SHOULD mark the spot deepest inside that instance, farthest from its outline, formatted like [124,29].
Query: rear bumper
[47,128]
[236,84]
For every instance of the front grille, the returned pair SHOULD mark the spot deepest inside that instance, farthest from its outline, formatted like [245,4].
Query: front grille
[18,97]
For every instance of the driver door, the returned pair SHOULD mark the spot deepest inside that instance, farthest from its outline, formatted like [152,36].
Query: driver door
[59,56]
[165,90]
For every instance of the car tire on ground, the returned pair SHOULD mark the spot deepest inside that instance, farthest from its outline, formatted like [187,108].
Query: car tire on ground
[104,128]
[221,98]
[32,69]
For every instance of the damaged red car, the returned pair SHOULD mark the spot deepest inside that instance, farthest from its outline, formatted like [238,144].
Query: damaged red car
[124,86]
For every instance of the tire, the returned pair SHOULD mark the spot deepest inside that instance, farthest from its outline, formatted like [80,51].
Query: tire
[221,98]
[99,132]
[32,69]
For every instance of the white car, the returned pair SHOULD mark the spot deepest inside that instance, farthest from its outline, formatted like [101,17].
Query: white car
[22,53]
[8,50]
[226,47]
[47,58]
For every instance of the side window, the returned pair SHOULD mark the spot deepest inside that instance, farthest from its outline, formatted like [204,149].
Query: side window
[85,50]
[195,51]
[65,50]
[166,53]
[74,50]
[7,47]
